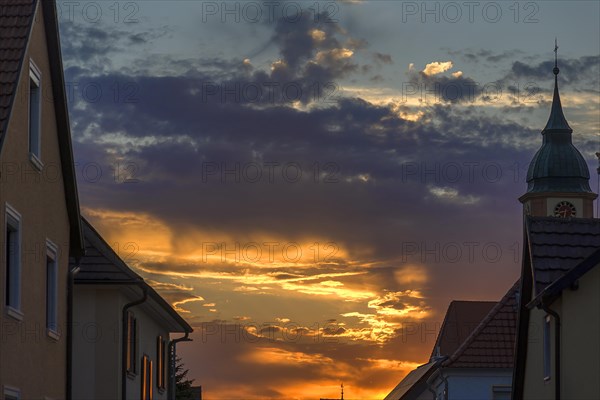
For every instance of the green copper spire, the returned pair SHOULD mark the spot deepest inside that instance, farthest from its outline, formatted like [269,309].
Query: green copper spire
[557,121]
[558,166]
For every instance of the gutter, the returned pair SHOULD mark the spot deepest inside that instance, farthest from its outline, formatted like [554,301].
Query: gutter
[173,353]
[434,375]
[70,284]
[126,308]
[556,317]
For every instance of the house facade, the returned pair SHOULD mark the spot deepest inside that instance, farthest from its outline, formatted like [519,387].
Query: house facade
[472,358]
[122,329]
[39,206]
[558,338]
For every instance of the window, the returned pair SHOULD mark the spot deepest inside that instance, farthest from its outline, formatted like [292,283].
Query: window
[131,343]
[51,289]
[35,112]
[160,362]
[11,393]
[547,349]
[146,378]
[500,392]
[12,254]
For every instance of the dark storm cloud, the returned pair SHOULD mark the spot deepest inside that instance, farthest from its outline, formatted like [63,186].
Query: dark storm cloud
[448,89]
[348,140]
[382,58]
[95,42]
[585,70]
[485,55]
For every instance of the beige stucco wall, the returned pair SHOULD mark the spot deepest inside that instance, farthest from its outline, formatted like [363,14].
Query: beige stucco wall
[581,339]
[97,340]
[32,361]
[580,344]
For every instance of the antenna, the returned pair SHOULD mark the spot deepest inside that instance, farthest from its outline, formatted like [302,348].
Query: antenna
[342,398]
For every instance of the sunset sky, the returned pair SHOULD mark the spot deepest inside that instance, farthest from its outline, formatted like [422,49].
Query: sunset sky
[311,183]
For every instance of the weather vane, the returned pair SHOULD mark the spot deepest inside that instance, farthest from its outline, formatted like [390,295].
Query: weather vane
[556,70]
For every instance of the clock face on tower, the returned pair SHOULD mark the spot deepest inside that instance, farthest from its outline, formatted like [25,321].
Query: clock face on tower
[564,209]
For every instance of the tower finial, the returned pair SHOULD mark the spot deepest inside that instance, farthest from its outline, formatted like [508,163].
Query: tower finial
[556,70]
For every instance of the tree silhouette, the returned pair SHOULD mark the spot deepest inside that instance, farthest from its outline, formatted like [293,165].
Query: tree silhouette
[183,385]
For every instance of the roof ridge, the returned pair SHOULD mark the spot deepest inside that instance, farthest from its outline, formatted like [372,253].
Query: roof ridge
[483,324]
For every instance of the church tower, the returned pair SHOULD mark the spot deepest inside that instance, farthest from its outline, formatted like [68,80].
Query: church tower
[558,176]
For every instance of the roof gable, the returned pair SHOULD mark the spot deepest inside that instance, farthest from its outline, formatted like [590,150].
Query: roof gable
[559,244]
[101,265]
[17,18]
[100,262]
[461,319]
[491,345]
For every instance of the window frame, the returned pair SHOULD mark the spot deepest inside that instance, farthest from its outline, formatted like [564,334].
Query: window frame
[146,392]
[11,393]
[501,389]
[547,348]
[14,265]
[160,363]
[34,119]
[132,338]
[52,298]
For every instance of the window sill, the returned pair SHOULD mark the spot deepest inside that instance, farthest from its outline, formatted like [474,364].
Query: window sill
[53,334]
[14,313]
[37,163]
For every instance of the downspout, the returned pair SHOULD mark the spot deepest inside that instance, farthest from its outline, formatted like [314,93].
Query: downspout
[70,284]
[173,353]
[556,347]
[438,371]
[446,393]
[126,308]
[428,383]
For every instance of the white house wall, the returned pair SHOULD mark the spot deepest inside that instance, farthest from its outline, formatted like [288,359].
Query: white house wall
[472,384]
[97,314]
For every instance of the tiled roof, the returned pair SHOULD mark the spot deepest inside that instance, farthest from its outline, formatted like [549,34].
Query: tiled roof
[15,24]
[491,345]
[101,265]
[559,244]
[414,381]
[100,262]
[461,319]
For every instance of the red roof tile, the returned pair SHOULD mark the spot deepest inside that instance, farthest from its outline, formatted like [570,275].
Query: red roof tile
[15,23]
[461,319]
[491,345]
